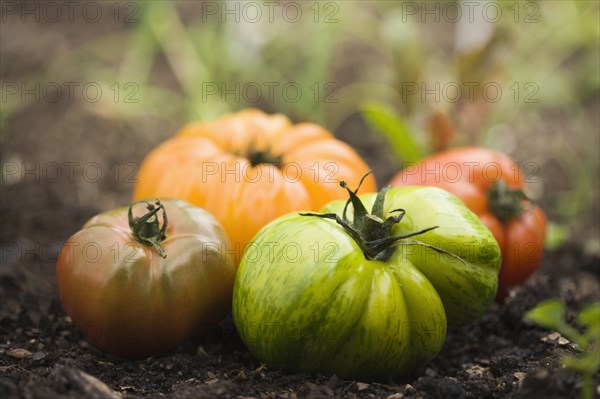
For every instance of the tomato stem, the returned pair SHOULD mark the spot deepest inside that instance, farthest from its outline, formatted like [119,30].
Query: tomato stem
[373,232]
[257,157]
[506,203]
[146,228]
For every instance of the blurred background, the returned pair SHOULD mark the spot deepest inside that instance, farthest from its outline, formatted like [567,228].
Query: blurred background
[88,88]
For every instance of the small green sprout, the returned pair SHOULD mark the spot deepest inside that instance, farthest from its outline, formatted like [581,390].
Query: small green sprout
[551,314]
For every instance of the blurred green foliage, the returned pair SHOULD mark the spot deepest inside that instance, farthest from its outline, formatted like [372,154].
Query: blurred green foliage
[551,314]
[395,130]
[391,63]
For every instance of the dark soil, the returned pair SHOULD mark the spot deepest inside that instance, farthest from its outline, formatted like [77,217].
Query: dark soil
[42,355]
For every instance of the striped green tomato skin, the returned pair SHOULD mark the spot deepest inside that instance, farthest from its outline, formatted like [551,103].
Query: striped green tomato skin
[306,299]
[466,290]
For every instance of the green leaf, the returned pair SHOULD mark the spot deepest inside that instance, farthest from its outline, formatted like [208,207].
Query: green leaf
[549,314]
[395,130]
[590,316]
[585,364]
[556,235]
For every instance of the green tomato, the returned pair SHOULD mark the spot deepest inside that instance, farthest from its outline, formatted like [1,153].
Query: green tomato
[468,287]
[360,297]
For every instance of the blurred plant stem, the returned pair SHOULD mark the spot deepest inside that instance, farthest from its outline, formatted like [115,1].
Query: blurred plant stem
[183,58]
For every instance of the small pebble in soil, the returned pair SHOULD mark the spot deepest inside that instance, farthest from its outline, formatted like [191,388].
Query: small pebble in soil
[19,353]
[555,337]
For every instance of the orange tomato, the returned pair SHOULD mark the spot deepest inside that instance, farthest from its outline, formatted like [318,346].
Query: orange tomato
[491,185]
[248,168]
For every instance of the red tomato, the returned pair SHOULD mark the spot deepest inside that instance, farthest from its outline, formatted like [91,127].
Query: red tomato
[491,185]
[140,286]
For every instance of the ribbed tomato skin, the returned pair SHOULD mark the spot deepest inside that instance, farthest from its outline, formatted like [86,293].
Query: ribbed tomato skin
[307,299]
[207,164]
[131,302]
[470,173]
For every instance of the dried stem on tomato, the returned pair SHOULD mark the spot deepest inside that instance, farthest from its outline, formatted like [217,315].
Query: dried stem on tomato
[506,203]
[258,156]
[146,228]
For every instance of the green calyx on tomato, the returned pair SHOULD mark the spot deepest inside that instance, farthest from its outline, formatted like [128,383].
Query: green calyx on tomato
[146,228]
[372,232]
[504,202]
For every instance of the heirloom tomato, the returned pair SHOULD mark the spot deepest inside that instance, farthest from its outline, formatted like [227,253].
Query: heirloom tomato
[491,185]
[138,286]
[248,168]
[368,296]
